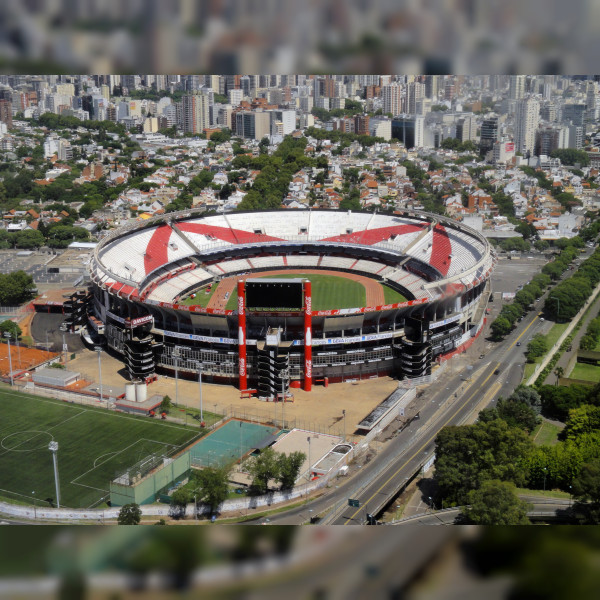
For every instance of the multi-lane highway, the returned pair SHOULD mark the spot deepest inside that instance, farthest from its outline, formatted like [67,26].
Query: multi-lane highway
[453,399]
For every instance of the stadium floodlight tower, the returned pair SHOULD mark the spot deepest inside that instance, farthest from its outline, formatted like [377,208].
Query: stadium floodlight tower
[53,447]
[98,349]
[199,366]
[7,335]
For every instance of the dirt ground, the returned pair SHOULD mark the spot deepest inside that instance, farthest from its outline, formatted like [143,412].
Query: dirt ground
[319,410]
[22,357]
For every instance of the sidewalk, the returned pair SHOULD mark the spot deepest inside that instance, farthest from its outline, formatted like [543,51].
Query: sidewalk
[566,357]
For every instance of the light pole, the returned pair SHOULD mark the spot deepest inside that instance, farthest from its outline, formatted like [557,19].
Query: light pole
[65,349]
[53,447]
[344,415]
[34,507]
[241,450]
[431,503]
[557,306]
[199,365]
[308,440]
[284,374]
[544,469]
[98,349]
[176,359]
[7,336]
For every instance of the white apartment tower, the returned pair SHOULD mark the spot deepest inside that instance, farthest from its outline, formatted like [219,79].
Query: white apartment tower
[527,117]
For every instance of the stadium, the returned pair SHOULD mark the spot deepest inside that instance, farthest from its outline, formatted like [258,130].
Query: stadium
[267,300]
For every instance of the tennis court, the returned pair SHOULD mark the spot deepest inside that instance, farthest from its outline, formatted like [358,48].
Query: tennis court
[229,442]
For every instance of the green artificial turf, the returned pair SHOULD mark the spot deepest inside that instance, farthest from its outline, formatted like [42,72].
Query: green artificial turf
[94,447]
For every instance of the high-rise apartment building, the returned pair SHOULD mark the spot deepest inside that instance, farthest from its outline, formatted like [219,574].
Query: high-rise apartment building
[527,116]
[516,87]
[489,134]
[6,113]
[393,98]
[415,92]
[195,113]
[466,129]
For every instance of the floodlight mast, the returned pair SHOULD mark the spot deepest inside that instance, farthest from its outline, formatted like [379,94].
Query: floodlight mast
[53,447]
[7,335]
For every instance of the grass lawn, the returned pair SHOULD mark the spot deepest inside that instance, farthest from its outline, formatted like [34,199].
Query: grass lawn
[546,434]
[94,447]
[328,292]
[545,493]
[556,331]
[201,298]
[551,338]
[392,296]
[585,372]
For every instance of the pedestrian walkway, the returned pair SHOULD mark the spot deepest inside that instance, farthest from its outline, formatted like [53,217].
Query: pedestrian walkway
[566,356]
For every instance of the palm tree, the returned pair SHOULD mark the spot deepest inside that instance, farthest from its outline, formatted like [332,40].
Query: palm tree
[559,372]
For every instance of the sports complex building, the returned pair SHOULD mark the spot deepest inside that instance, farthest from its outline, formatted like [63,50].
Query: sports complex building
[247,297]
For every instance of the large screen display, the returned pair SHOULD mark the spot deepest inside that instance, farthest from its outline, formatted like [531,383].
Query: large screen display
[274,294]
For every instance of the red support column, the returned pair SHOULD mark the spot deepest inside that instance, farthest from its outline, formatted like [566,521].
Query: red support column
[241,289]
[307,337]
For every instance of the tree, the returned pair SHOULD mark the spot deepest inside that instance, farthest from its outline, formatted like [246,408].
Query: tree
[496,503]
[213,486]
[501,327]
[289,468]
[165,405]
[11,327]
[467,455]
[559,372]
[516,413]
[181,497]
[262,469]
[584,419]
[130,514]
[537,347]
[586,486]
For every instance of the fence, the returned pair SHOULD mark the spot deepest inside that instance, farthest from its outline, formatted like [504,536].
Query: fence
[411,383]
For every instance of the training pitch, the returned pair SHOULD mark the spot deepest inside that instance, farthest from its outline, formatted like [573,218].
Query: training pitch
[94,447]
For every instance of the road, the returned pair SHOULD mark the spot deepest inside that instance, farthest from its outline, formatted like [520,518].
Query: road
[404,455]
[541,509]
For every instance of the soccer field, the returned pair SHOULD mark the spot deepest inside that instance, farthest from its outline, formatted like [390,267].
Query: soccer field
[331,292]
[94,447]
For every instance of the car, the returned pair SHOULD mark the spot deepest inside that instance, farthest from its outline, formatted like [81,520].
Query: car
[542,319]
[482,356]
[518,343]
[496,371]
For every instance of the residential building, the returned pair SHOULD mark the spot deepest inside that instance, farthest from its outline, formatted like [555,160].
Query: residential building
[527,115]
[409,129]
[195,112]
[252,124]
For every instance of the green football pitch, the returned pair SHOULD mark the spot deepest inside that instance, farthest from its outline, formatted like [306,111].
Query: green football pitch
[331,291]
[94,446]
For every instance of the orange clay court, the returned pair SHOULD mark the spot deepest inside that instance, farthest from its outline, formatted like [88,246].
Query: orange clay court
[22,358]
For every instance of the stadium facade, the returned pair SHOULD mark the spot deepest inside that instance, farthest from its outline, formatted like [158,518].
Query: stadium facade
[140,273]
